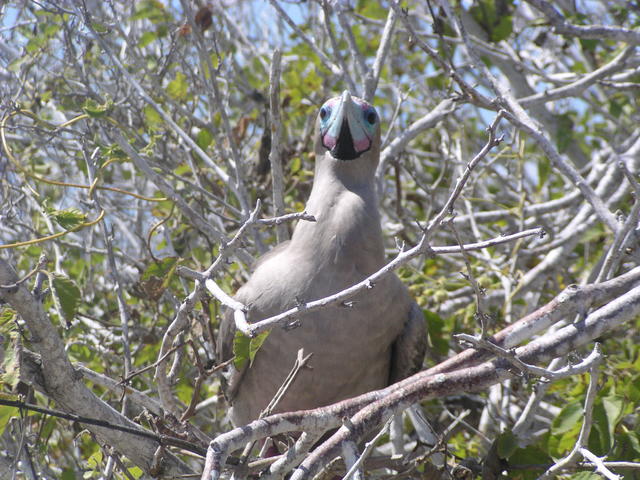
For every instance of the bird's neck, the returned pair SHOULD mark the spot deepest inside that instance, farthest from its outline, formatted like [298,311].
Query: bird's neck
[343,201]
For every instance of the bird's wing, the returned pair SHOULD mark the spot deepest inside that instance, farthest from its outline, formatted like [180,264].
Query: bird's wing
[231,377]
[410,347]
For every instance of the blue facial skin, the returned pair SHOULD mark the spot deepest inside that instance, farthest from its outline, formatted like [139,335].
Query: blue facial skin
[347,126]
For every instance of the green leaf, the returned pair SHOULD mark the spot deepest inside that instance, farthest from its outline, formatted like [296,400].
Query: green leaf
[11,366]
[544,169]
[184,392]
[95,460]
[531,455]
[606,415]
[152,116]
[17,64]
[50,425]
[241,349]
[589,44]
[204,138]
[503,29]
[565,429]
[100,27]
[632,390]
[182,169]
[435,327]
[152,10]
[177,88]
[136,472]
[295,164]
[255,344]
[627,447]
[68,474]
[245,348]
[614,408]
[113,153]
[146,38]
[95,109]
[569,418]
[6,413]
[35,44]
[371,9]
[599,439]
[148,149]
[7,317]
[68,219]
[586,476]
[494,16]
[615,109]
[564,132]
[66,296]
[507,444]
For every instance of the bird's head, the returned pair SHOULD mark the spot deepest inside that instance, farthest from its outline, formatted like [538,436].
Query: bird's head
[348,127]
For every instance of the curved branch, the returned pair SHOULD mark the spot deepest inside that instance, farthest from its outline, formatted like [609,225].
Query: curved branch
[462,373]
[64,385]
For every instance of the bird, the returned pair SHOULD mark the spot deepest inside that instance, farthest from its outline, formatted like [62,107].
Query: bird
[378,337]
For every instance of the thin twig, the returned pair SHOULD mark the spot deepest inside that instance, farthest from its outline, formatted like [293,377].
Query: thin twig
[367,451]
[585,430]
[373,75]
[275,157]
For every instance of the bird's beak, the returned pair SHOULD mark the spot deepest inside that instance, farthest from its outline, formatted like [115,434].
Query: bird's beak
[346,137]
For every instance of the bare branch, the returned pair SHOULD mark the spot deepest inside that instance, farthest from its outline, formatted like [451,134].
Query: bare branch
[373,75]
[275,157]
[561,26]
[64,386]
[516,115]
[462,373]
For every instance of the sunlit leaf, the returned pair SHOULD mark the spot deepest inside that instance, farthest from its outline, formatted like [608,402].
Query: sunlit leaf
[96,110]
[66,296]
[135,472]
[6,413]
[255,344]
[371,9]
[152,116]
[10,371]
[146,38]
[7,320]
[614,408]
[570,416]
[177,88]
[204,138]
[69,218]
[241,349]
[152,10]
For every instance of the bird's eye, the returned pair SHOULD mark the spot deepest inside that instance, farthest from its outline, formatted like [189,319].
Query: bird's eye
[324,113]
[371,116]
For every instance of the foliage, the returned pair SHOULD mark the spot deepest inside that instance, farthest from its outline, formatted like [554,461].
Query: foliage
[134,110]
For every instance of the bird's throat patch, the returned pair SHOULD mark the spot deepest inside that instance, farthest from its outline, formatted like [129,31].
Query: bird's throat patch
[344,147]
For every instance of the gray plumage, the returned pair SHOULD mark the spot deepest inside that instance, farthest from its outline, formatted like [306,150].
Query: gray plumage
[378,340]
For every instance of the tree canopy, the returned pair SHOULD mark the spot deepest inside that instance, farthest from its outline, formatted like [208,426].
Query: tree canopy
[151,151]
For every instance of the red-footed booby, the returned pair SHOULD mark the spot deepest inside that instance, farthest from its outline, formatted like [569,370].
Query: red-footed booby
[377,340]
